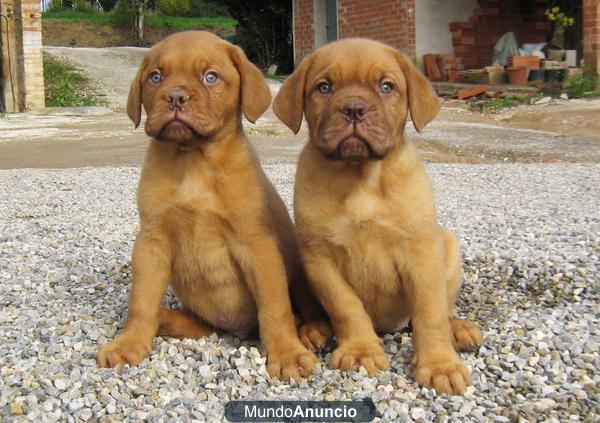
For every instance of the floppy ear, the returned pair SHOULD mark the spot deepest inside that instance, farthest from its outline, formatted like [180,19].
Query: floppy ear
[423,102]
[134,100]
[255,93]
[289,102]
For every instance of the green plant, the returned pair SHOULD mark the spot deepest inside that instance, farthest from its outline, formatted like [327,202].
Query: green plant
[56,5]
[122,7]
[561,21]
[559,17]
[582,85]
[108,5]
[502,102]
[173,7]
[67,87]
[497,104]
[264,31]
[207,8]
[276,77]
[83,6]
[181,23]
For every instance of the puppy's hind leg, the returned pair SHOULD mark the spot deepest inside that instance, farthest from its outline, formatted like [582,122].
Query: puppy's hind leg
[314,329]
[465,335]
[182,324]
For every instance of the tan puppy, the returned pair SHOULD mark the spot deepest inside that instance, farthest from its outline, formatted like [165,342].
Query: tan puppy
[211,223]
[373,249]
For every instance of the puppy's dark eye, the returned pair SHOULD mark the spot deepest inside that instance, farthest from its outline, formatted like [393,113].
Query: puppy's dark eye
[386,87]
[155,77]
[324,87]
[211,78]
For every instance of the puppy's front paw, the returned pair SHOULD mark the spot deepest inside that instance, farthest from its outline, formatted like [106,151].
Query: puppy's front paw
[314,334]
[292,362]
[443,372]
[351,355]
[465,336]
[124,349]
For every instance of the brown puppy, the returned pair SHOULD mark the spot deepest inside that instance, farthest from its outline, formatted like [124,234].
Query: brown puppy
[373,249]
[211,223]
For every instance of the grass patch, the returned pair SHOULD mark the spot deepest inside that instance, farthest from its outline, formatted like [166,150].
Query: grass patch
[504,102]
[497,104]
[175,22]
[92,17]
[276,77]
[66,86]
[582,86]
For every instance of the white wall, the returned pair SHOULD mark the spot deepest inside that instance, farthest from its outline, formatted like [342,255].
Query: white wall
[432,20]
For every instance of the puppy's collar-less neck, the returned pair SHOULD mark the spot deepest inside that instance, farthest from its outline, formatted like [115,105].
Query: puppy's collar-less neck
[214,150]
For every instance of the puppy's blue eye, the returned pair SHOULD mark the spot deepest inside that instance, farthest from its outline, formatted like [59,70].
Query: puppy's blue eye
[211,78]
[324,87]
[386,87]
[155,77]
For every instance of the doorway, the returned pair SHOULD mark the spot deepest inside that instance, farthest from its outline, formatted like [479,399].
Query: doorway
[325,22]
[331,20]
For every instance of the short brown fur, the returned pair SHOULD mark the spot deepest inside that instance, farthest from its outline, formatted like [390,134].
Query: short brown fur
[374,252]
[211,224]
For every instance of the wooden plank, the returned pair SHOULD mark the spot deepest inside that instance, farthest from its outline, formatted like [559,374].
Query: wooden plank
[471,92]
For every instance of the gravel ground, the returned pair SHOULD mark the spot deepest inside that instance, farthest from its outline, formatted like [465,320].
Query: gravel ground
[531,251]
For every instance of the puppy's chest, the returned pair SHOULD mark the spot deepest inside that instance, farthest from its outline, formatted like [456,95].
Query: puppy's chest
[366,238]
[199,198]
[363,218]
[201,233]
[365,235]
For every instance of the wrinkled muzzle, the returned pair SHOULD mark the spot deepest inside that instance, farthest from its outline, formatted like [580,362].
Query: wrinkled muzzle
[353,128]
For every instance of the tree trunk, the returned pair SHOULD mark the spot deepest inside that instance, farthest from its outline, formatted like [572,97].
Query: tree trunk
[139,15]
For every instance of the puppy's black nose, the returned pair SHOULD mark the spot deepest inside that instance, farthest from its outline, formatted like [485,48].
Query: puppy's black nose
[355,111]
[177,98]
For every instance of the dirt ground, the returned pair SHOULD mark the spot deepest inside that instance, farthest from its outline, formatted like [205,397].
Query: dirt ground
[111,69]
[561,131]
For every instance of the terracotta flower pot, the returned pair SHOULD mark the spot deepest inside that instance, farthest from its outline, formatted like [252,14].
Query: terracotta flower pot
[517,76]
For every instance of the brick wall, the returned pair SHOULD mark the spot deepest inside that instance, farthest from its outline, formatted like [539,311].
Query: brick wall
[24,32]
[304,29]
[591,34]
[388,21]
[32,54]
[474,40]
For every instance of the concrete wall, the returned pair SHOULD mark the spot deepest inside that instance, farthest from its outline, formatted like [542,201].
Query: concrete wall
[433,19]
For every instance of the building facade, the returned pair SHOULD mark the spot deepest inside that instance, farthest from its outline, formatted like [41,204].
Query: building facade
[469,29]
